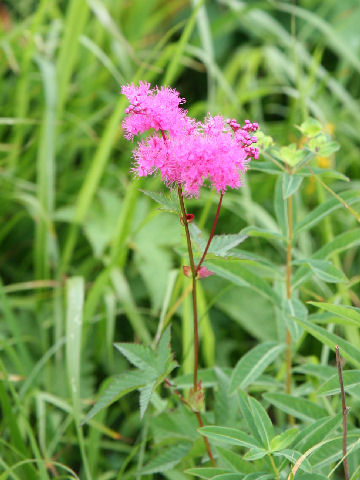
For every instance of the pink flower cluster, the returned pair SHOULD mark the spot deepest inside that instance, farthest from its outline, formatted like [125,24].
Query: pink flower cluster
[186,152]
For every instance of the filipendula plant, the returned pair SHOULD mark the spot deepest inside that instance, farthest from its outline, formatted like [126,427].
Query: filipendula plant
[190,155]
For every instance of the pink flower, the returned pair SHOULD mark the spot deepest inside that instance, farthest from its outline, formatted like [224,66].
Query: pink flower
[187,153]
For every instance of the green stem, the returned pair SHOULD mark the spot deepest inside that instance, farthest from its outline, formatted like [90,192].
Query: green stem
[276,471]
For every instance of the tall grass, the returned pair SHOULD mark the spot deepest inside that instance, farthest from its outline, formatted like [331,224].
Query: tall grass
[80,244]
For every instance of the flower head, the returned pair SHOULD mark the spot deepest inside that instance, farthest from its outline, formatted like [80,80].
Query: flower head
[187,152]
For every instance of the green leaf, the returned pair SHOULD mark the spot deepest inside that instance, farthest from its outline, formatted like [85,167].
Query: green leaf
[124,383]
[140,356]
[280,207]
[284,439]
[145,397]
[291,155]
[253,364]
[293,456]
[225,407]
[168,202]
[220,244]
[229,476]
[311,476]
[231,436]
[262,422]
[351,380]
[206,472]
[324,209]
[324,270]
[265,167]
[296,406]
[348,351]
[262,232]
[352,314]
[311,127]
[237,273]
[234,461]
[290,184]
[317,432]
[167,459]
[323,146]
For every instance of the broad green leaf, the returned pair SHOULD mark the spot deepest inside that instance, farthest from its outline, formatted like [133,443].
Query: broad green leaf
[231,436]
[317,432]
[290,184]
[168,202]
[351,380]
[259,476]
[237,273]
[311,127]
[255,454]
[246,410]
[318,371]
[291,155]
[296,406]
[284,439]
[225,407]
[166,459]
[352,314]
[234,461]
[326,271]
[324,209]
[206,472]
[348,351]
[253,364]
[140,356]
[124,383]
[294,308]
[322,146]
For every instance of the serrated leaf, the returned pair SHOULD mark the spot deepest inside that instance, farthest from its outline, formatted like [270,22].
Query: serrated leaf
[296,406]
[290,184]
[140,356]
[168,203]
[220,244]
[167,459]
[231,436]
[124,383]
[206,472]
[253,364]
[145,397]
[351,380]
[344,311]
[327,272]
[348,351]
[284,439]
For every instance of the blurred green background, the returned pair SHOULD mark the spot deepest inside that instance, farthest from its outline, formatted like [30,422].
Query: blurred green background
[70,208]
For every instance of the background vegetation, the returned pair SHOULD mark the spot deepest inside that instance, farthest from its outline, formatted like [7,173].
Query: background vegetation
[79,241]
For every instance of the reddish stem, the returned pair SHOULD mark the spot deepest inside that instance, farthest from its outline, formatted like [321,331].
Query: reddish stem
[211,233]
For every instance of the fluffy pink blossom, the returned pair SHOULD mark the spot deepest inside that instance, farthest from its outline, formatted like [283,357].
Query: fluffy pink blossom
[186,152]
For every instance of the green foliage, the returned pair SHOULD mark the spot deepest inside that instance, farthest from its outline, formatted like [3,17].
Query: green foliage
[90,258]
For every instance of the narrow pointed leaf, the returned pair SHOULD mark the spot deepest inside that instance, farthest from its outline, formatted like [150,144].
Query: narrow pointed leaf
[351,380]
[167,459]
[290,184]
[231,436]
[349,313]
[296,406]
[253,364]
[284,439]
[206,472]
[327,272]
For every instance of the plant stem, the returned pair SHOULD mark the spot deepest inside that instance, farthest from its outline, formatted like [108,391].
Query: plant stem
[196,332]
[193,274]
[344,412]
[288,294]
[276,471]
[211,233]
[198,416]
